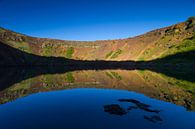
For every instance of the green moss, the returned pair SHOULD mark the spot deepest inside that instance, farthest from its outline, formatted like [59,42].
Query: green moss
[141,59]
[165,47]
[147,52]
[116,54]
[116,76]
[22,85]
[69,52]
[47,51]
[48,80]
[186,85]
[185,46]
[23,46]
[109,54]
[141,71]
[69,78]
[109,75]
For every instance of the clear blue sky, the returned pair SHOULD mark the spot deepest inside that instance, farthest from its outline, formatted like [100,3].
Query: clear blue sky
[92,19]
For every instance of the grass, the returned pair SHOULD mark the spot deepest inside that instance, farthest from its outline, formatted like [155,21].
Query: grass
[155,50]
[186,85]
[185,46]
[160,79]
[165,47]
[47,50]
[116,75]
[57,50]
[109,75]
[141,71]
[69,77]
[69,52]
[23,46]
[116,53]
[109,54]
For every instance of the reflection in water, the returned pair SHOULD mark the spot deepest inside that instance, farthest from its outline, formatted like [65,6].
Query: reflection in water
[88,108]
[154,118]
[139,105]
[116,109]
[149,83]
[68,106]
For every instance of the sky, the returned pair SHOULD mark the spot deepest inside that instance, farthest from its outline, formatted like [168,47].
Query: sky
[89,20]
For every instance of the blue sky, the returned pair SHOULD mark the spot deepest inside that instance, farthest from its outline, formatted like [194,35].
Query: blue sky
[92,19]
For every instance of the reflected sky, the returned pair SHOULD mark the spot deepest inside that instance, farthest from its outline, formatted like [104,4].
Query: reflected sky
[85,108]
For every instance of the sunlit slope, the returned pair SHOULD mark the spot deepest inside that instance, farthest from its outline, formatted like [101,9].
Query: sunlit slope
[177,39]
[149,46]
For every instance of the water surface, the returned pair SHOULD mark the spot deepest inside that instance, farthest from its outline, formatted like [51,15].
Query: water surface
[98,99]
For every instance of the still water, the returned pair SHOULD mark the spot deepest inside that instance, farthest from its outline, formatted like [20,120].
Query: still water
[96,99]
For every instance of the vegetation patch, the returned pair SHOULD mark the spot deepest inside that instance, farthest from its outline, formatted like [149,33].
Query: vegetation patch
[165,47]
[109,54]
[186,85]
[116,54]
[109,75]
[116,76]
[69,78]
[69,52]
[186,45]
[47,50]
[141,71]
[23,46]
[140,59]
[48,80]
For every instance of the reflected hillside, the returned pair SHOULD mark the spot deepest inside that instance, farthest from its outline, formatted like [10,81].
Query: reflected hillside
[146,82]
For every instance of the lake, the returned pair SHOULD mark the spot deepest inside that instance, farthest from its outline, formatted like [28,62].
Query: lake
[95,99]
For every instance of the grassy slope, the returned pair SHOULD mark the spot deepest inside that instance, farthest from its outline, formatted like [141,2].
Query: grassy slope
[177,39]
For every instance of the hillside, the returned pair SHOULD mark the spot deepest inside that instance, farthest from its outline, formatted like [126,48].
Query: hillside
[156,44]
